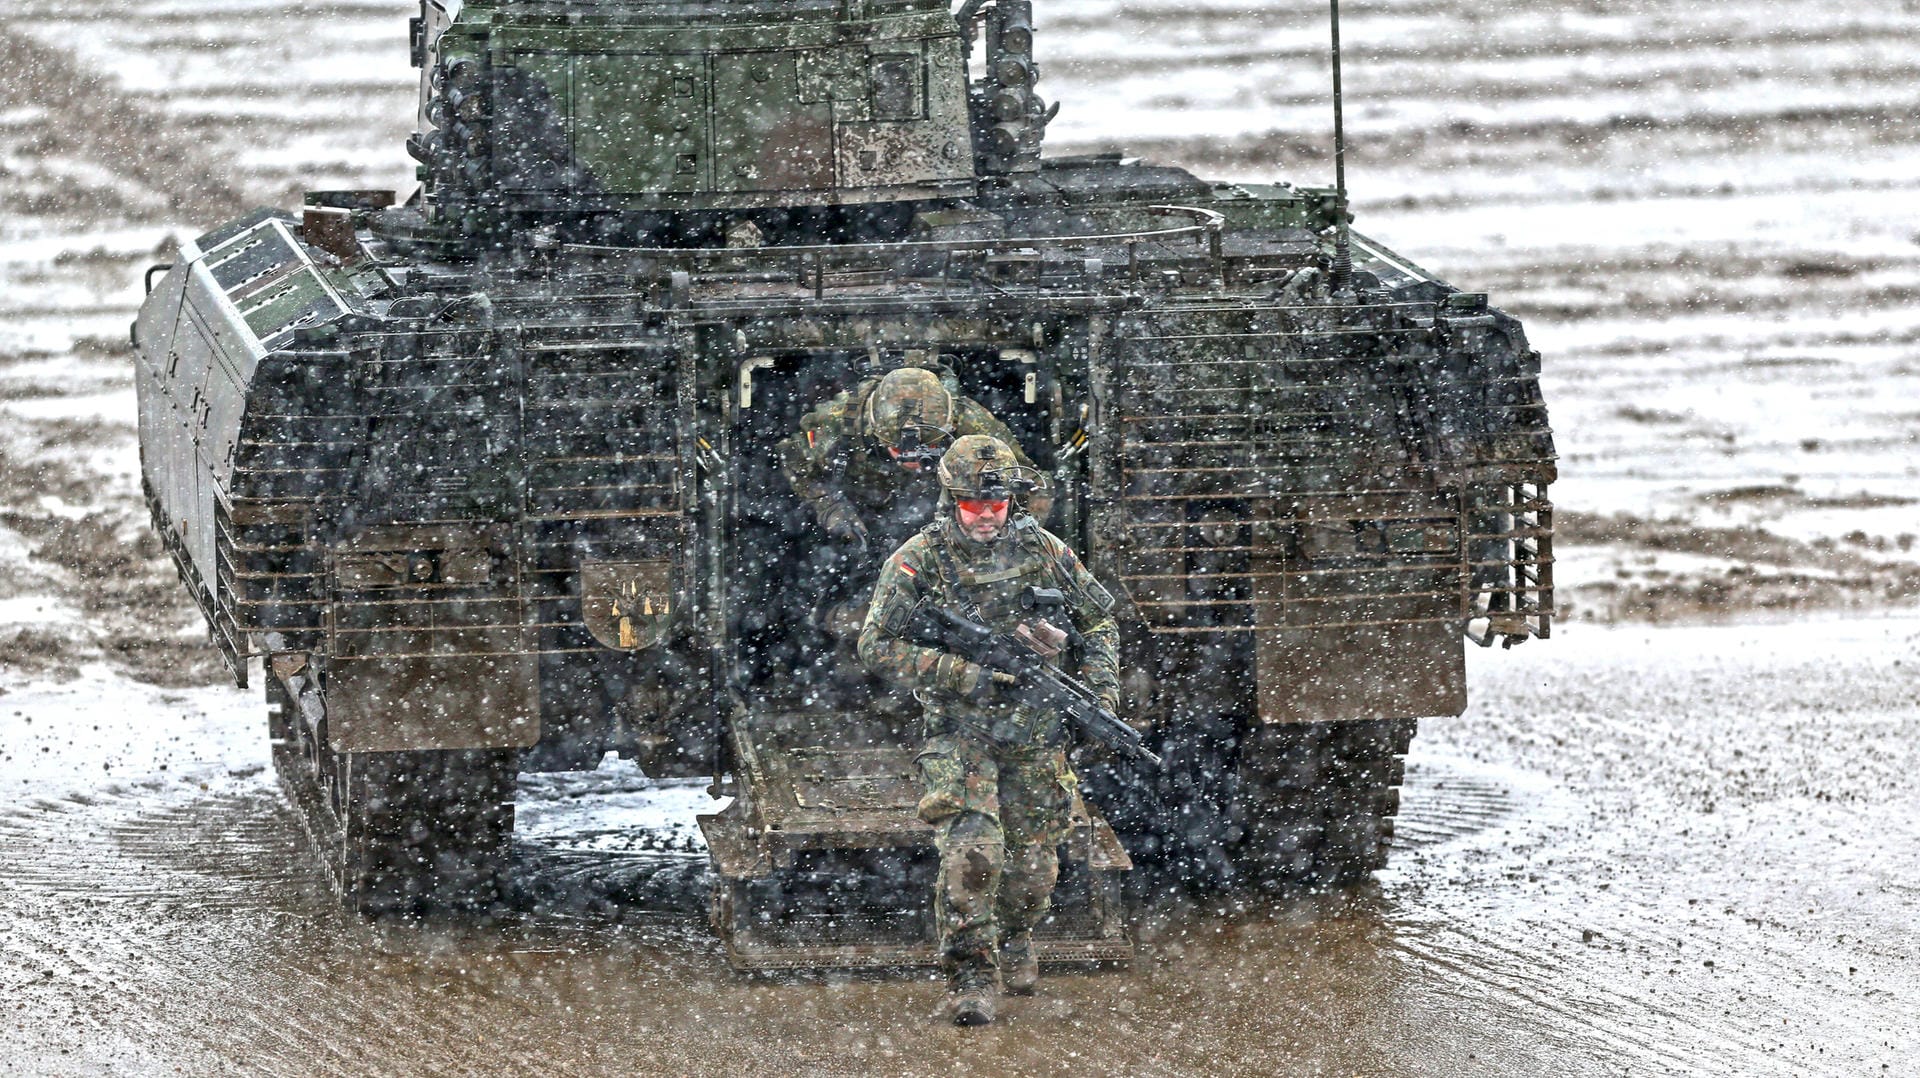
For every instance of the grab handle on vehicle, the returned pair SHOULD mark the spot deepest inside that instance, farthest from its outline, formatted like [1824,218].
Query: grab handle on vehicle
[161,267]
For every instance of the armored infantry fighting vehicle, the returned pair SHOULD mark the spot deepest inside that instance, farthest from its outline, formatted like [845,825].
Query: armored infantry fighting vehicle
[485,477]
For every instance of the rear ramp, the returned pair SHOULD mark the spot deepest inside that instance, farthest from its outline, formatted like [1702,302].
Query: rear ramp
[821,863]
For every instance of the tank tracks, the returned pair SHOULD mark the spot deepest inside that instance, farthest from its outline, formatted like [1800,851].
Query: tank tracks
[1316,801]
[1284,806]
[398,832]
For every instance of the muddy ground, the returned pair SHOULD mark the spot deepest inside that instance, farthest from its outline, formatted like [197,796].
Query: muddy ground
[1679,837]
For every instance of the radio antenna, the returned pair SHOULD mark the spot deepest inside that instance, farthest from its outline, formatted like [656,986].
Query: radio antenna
[1342,252]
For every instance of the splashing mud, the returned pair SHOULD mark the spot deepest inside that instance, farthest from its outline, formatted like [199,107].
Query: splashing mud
[1682,862]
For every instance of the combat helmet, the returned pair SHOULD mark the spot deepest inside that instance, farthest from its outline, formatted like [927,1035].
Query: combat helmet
[982,466]
[911,412]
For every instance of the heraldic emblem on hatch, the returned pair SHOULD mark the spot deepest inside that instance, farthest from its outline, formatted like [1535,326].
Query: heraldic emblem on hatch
[627,605]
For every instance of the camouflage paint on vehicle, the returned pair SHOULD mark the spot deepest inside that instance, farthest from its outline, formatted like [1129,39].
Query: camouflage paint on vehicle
[592,108]
[489,478]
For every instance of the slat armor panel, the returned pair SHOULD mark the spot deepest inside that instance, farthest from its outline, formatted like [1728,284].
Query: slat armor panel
[1279,475]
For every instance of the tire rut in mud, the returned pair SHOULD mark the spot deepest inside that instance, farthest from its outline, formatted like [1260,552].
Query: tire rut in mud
[1621,995]
[1448,802]
[185,923]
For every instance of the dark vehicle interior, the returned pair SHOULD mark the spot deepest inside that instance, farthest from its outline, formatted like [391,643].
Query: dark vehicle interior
[796,592]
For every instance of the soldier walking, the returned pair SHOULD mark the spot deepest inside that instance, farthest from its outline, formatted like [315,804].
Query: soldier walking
[998,789]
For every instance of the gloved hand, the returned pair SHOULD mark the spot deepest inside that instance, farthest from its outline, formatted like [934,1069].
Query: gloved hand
[1042,636]
[970,680]
[842,521]
[995,683]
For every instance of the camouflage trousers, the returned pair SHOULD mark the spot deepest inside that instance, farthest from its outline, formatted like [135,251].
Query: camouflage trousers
[999,814]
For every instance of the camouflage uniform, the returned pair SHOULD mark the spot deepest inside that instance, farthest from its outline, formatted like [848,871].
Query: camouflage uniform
[998,788]
[840,468]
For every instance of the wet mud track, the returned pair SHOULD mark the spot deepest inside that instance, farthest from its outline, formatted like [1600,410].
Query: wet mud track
[1654,850]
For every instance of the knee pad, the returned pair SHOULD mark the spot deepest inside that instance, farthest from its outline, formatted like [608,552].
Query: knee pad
[972,853]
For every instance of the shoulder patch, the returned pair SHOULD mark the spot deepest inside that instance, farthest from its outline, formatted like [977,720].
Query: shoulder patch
[897,619]
[1098,594]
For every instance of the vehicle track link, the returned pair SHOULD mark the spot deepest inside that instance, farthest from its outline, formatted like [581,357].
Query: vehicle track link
[1316,801]
[398,832]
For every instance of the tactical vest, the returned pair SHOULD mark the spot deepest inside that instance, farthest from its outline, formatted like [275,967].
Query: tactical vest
[991,594]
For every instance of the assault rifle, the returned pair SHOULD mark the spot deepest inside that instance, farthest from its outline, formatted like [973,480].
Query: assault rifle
[1039,684]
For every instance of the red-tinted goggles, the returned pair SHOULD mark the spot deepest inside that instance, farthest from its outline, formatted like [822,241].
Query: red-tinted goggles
[975,507]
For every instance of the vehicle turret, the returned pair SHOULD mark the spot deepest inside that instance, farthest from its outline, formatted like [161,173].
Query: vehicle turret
[638,119]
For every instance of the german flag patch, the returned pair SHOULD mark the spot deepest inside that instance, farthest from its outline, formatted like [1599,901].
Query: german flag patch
[909,570]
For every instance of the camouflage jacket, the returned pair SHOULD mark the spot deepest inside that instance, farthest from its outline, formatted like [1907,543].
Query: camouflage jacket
[941,566]
[830,460]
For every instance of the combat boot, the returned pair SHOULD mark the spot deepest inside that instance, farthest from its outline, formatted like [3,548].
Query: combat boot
[971,999]
[1019,964]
